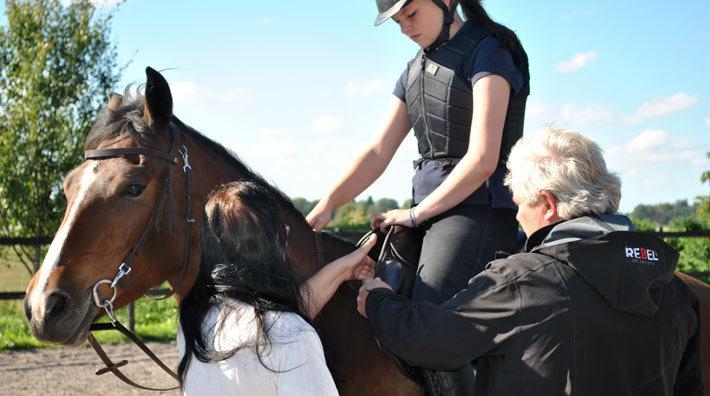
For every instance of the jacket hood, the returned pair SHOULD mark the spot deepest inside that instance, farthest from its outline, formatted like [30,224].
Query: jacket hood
[627,268]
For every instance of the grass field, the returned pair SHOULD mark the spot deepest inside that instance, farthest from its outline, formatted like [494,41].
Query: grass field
[156,320]
[13,275]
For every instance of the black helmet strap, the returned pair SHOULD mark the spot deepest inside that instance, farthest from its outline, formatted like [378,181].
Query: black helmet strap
[445,28]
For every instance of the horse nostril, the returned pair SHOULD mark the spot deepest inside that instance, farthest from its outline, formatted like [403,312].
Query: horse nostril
[57,303]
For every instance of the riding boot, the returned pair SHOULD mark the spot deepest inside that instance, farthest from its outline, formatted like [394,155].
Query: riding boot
[459,382]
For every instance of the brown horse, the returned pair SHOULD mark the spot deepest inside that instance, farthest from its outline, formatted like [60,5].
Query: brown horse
[119,209]
[119,204]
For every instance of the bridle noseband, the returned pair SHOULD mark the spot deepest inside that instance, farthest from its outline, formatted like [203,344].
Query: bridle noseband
[171,157]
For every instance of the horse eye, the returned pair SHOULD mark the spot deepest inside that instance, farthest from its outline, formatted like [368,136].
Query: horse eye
[133,190]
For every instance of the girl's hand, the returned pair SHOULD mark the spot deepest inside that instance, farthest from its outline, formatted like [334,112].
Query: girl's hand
[392,217]
[320,215]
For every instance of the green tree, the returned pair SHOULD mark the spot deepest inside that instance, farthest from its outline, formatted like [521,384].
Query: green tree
[381,205]
[57,63]
[705,176]
[703,211]
[694,251]
[303,205]
[643,224]
[663,213]
[369,206]
[351,217]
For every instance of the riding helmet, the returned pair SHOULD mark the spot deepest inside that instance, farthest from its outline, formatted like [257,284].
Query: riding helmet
[387,8]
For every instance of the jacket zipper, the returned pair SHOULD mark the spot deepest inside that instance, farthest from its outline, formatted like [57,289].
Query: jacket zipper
[424,111]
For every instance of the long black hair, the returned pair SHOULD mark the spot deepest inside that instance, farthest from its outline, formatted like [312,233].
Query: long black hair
[473,11]
[243,259]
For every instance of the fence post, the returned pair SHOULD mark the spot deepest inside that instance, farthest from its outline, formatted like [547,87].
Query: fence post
[35,262]
[131,317]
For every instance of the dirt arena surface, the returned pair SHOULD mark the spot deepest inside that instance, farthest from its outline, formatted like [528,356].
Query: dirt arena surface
[70,371]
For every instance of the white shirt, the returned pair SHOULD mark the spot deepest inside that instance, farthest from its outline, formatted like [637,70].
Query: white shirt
[295,355]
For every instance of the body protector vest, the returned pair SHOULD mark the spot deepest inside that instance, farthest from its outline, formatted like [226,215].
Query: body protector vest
[440,102]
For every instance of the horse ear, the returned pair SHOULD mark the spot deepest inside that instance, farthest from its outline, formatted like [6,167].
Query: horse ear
[114,101]
[158,110]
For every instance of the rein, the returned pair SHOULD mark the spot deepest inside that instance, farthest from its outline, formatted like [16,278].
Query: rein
[114,367]
[171,157]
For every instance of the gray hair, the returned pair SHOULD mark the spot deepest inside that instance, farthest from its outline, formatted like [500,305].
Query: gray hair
[567,164]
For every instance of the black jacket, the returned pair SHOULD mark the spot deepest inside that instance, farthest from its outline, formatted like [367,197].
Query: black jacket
[590,308]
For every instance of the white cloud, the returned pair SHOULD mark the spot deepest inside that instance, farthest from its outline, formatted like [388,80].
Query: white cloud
[657,166]
[186,91]
[538,114]
[587,115]
[327,123]
[372,87]
[654,146]
[658,107]
[189,92]
[577,62]
[707,122]
[266,149]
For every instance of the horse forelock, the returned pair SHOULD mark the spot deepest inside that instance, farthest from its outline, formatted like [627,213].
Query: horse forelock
[127,118]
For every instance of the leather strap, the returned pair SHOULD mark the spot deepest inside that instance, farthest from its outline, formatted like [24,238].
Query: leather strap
[169,156]
[319,249]
[190,224]
[116,152]
[115,367]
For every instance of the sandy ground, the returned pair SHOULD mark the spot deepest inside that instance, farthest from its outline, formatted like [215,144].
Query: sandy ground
[70,371]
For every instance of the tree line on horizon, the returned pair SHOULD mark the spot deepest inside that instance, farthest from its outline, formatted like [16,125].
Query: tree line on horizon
[679,216]
[355,215]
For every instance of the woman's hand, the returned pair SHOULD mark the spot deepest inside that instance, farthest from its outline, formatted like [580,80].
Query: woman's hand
[358,265]
[392,217]
[320,215]
[367,285]
[320,287]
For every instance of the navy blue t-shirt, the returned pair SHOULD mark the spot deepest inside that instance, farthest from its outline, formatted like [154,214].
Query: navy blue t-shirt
[488,58]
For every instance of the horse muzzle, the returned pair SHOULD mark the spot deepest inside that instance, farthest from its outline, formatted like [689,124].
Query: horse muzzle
[58,318]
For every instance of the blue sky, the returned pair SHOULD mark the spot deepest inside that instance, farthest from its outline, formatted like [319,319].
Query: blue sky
[296,88]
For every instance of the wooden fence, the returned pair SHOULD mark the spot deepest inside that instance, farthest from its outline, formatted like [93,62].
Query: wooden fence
[349,235]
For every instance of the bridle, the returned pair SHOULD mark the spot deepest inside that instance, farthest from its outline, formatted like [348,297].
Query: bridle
[171,157]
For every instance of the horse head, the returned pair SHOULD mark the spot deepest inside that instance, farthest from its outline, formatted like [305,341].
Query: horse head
[119,215]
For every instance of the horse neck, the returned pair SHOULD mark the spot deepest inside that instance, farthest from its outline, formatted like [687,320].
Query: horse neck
[303,249]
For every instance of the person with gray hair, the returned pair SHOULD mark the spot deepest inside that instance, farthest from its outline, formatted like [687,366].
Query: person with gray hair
[590,307]
[567,164]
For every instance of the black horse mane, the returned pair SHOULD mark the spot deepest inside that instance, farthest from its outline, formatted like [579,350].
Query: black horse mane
[128,118]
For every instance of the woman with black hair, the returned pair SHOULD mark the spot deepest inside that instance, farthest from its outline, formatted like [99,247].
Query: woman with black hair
[244,326]
[464,95]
